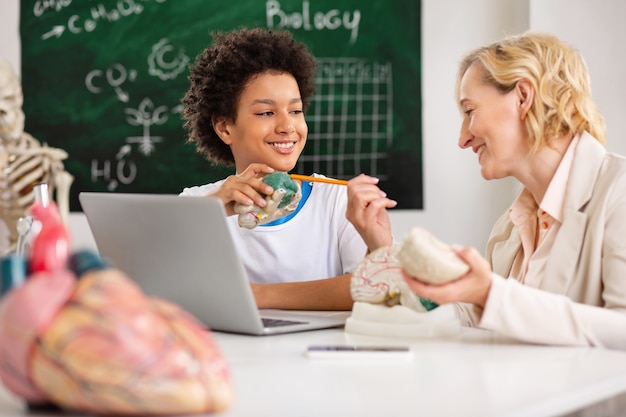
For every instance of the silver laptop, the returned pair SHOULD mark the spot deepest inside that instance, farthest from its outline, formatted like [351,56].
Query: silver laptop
[180,249]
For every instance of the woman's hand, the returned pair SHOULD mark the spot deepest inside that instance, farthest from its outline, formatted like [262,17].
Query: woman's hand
[472,287]
[246,188]
[367,211]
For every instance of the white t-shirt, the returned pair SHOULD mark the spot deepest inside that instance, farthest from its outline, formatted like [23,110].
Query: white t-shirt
[317,243]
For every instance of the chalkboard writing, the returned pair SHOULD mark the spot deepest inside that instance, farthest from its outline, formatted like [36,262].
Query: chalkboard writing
[104,79]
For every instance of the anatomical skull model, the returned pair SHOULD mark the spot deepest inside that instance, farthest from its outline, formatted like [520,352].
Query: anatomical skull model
[24,162]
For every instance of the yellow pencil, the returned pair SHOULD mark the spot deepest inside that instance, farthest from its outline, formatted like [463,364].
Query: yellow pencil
[318,179]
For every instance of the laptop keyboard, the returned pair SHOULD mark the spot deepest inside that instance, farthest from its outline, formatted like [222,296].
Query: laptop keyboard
[279,322]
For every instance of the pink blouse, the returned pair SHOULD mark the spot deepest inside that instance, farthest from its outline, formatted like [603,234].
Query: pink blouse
[538,225]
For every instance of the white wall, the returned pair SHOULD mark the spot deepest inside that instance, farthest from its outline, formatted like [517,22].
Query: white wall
[10,33]
[459,205]
[597,29]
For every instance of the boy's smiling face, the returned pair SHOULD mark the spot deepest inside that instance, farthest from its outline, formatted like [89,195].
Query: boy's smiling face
[270,126]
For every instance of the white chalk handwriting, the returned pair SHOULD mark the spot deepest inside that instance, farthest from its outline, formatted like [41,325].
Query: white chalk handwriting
[165,61]
[88,21]
[121,170]
[146,116]
[331,20]
[42,6]
[115,76]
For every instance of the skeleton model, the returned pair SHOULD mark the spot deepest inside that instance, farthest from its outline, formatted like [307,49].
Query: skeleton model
[24,162]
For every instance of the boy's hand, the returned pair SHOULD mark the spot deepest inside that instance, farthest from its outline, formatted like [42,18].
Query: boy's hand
[367,211]
[246,188]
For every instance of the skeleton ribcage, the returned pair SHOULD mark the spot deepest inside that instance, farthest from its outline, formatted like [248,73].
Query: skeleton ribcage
[25,167]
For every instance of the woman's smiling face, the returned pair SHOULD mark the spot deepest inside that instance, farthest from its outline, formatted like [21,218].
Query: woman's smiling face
[270,126]
[493,125]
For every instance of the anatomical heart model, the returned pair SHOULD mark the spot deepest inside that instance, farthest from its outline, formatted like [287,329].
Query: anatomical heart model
[81,335]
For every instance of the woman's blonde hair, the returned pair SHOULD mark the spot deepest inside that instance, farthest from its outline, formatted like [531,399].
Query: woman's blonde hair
[562,103]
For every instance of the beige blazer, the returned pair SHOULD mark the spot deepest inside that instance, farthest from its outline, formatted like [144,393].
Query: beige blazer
[582,297]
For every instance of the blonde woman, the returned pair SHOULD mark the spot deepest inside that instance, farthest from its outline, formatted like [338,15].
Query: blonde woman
[555,267]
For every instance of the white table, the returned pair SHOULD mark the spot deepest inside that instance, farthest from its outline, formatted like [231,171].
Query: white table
[477,374]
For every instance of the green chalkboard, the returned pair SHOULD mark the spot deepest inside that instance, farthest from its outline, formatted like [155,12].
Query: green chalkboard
[104,80]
